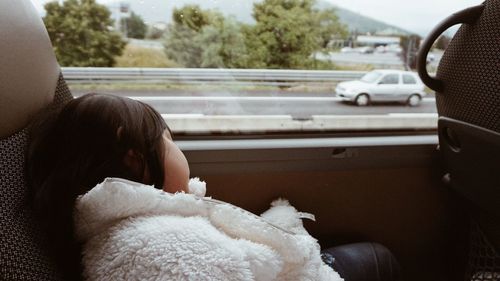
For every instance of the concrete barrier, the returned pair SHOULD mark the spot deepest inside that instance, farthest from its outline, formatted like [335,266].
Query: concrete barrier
[201,124]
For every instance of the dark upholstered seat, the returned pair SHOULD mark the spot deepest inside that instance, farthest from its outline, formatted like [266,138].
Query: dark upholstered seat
[364,262]
[29,81]
[467,86]
[21,254]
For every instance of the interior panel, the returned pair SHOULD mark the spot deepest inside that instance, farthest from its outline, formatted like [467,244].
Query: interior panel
[387,194]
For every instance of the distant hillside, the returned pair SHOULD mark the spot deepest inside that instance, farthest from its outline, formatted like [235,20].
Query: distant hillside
[161,11]
[362,24]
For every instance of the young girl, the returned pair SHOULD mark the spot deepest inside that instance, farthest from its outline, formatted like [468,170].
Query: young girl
[94,166]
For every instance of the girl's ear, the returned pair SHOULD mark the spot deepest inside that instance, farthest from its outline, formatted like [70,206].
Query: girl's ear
[134,160]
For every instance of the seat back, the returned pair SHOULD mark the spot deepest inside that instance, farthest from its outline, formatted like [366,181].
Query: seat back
[29,81]
[467,86]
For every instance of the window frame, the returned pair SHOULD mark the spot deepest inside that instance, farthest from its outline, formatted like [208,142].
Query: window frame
[305,154]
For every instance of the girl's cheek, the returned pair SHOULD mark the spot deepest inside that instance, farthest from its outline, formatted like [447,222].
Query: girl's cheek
[176,171]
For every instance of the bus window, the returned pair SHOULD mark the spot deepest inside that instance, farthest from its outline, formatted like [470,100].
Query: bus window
[249,67]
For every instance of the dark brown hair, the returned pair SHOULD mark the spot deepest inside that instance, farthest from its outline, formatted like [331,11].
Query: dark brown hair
[74,148]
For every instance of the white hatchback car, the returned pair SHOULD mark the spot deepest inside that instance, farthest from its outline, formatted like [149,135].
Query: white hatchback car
[383,85]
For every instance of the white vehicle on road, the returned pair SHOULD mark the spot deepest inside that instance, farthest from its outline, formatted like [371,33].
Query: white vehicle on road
[383,85]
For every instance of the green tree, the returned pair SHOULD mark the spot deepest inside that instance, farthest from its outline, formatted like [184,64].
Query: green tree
[442,42]
[330,27]
[155,33]
[204,38]
[179,46]
[134,26]
[223,45]
[193,17]
[180,37]
[288,33]
[409,45]
[81,33]
[257,54]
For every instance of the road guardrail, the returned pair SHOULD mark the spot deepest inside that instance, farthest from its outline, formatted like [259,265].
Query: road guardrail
[275,77]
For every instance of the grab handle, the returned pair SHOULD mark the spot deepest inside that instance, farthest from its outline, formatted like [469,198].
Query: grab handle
[469,16]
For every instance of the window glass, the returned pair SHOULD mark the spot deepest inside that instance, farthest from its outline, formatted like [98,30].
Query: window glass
[252,66]
[390,79]
[408,79]
[371,77]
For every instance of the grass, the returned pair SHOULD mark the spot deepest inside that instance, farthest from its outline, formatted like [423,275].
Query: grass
[304,88]
[96,87]
[134,56]
[163,86]
[355,67]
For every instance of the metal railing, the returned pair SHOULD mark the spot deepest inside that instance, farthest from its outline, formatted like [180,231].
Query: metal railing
[205,75]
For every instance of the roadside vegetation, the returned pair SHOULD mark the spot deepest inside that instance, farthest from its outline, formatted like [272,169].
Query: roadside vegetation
[285,35]
[170,86]
[177,87]
[82,33]
[134,56]
[133,26]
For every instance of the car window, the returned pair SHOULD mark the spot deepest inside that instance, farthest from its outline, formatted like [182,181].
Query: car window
[409,79]
[371,77]
[390,79]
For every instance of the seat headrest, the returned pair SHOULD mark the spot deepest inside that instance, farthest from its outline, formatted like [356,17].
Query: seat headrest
[28,66]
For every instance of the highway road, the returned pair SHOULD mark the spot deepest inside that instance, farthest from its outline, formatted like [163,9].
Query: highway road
[378,60]
[299,105]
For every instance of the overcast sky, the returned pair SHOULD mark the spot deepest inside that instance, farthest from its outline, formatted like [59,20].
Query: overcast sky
[419,16]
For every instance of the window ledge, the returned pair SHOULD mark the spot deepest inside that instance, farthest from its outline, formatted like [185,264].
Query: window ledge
[297,143]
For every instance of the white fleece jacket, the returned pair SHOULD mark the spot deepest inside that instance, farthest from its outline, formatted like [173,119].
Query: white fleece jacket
[132,231]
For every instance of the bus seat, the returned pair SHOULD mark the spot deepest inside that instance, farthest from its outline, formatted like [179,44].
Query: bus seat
[365,261]
[30,79]
[467,86]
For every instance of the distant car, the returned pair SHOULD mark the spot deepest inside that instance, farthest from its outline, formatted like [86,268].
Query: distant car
[380,49]
[393,48]
[365,50]
[347,50]
[383,85]
[431,58]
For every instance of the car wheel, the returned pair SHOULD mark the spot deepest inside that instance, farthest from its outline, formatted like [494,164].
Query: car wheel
[362,100]
[414,100]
